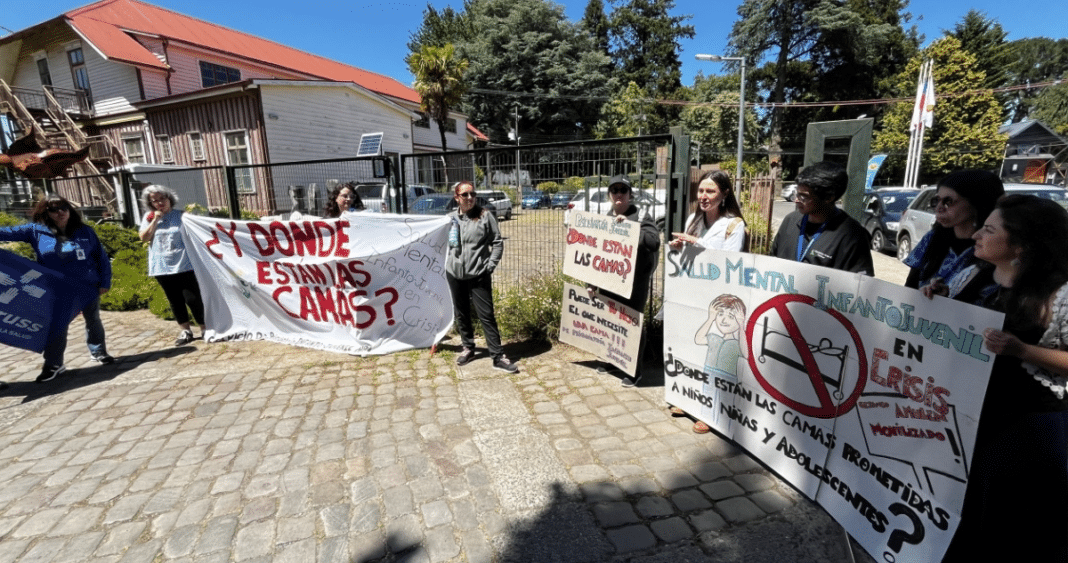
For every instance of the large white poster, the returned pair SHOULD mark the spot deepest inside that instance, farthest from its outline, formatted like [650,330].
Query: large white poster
[601,326]
[862,394]
[360,284]
[602,251]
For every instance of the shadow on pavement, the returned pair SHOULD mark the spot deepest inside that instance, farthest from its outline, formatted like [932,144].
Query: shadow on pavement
[82,377]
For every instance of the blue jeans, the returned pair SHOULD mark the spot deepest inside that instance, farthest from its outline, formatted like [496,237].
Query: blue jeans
[94,336]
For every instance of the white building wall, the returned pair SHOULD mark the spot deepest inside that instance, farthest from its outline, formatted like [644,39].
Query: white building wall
[186,64]
[311,122]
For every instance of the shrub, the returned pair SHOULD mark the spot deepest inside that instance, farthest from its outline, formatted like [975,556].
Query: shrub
[531,310]
[574,184]
[21,248]
[131,287]
[548,187]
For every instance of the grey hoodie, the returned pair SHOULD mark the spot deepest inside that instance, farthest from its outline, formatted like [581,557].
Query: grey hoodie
[481,246]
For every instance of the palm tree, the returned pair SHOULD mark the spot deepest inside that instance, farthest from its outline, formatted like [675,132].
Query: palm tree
[439,82]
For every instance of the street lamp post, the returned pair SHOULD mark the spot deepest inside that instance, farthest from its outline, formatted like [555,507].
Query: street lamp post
[741,110]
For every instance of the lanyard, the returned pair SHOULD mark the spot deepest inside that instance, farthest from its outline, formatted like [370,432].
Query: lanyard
[801,236]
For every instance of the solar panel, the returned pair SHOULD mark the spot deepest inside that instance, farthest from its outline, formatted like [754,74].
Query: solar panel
[370,144]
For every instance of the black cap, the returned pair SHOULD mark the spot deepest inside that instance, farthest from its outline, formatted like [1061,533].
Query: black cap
[620,180]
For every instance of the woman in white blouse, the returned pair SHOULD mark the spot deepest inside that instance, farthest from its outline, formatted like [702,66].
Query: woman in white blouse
[716,222]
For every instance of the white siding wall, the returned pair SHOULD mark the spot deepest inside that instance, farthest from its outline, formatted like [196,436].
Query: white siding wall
[114,85]
[186,65]
[429,137]
[326,122]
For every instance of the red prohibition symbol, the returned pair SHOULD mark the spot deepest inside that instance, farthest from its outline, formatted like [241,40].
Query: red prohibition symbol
[827,407]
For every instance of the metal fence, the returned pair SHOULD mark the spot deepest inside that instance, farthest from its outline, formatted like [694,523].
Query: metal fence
[535,233]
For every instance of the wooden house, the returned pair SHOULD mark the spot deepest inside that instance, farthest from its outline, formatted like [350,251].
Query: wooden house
[143,84]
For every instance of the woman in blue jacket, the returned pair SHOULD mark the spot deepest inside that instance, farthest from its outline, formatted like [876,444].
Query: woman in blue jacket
[64,243]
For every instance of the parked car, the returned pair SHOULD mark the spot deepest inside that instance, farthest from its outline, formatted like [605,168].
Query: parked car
[789,192]
[500,200]
[443,203]
[600,202]
[561,199]
[919,217]
[882,212]
[536,200]
[377,198]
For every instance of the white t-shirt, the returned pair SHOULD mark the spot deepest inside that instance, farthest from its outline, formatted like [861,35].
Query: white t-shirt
[715,236]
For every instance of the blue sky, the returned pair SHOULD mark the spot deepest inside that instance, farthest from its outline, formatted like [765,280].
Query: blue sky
[373,34]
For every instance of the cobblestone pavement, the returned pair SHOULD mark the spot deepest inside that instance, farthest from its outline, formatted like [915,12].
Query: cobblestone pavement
[254,451]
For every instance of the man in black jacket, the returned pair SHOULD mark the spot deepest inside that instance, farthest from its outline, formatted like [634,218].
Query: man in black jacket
[819,232]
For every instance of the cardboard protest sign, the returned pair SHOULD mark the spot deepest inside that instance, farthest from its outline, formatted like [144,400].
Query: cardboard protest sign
[863,395]
[34,301]
[601,251]
[604,327]
[359,284]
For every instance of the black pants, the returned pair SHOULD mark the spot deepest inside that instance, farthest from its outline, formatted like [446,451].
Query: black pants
[182,290]
[478,291]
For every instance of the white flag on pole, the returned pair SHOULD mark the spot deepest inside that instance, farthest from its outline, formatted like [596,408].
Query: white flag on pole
[923,109]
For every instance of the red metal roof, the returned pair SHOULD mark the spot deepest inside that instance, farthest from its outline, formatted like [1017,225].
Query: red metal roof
[104,24]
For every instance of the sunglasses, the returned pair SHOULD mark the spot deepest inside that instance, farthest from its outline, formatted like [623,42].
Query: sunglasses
[946,201]
[618,190]
[466,194]
[58,208]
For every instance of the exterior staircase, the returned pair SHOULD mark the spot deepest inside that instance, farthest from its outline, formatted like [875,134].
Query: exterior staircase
[56,129]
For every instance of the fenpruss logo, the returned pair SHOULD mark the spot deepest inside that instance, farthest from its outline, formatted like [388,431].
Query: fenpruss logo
[12,292]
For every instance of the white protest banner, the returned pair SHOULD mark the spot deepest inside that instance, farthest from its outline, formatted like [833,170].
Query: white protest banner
[603,327]
[601,251]
[360,284]
[863,395]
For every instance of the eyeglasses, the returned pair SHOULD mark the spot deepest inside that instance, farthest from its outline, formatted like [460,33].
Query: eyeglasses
[618,189]
[58,208]
[946,201]
[803,198]
[466,194]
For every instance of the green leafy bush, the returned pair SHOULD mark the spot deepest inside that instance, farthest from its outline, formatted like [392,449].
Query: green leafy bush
[131,287]
[21,248]
[574,184]
[548,187]
[531,311]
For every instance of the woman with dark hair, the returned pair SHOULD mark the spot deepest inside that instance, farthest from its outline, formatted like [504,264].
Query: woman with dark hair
[62,242]
[342,198]
[1021,448]
[168,261]
[475,249]
[963,201]
[715,220]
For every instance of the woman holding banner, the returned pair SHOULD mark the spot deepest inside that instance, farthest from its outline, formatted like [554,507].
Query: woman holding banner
[475,249]
[1021,449]
[168,261]
[623,209]
[715,221]
[342,198]
[62,242]
[963,201]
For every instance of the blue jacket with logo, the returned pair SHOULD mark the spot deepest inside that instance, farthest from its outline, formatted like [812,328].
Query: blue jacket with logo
[81,258]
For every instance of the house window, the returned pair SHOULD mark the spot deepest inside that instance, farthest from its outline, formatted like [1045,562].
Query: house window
[78,71]
[42,71]
[237,153]
[212,74]
[450,125]
[166,152]
[196,146]
[135,149]
[423,120]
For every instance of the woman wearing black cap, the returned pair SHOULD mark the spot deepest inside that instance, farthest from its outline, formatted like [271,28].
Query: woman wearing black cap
[964,200]
[623,209]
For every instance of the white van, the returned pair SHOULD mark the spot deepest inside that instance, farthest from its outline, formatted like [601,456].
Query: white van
[500,200]
[377,198]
